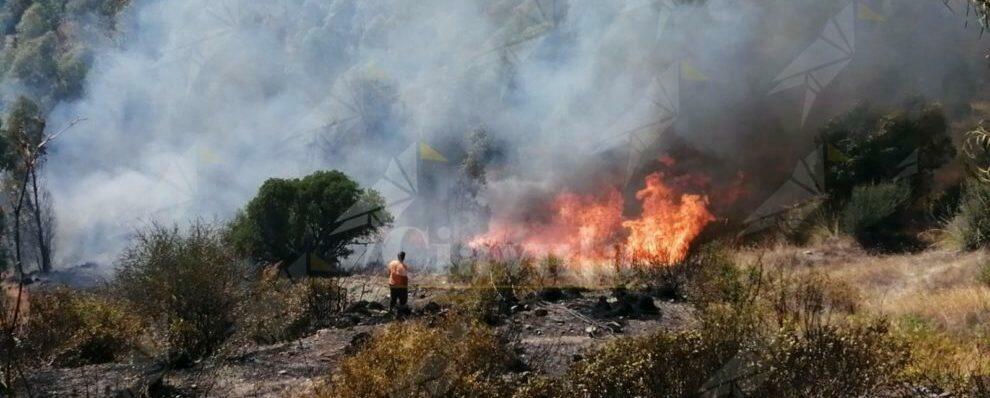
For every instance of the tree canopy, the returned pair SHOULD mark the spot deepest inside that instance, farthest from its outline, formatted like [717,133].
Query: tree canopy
[322,213]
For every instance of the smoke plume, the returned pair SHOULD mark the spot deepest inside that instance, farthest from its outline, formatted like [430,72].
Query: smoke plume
[199,102]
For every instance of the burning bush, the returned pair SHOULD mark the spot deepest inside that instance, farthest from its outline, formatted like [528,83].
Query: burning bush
[70,328]
[457,358]
[186,285]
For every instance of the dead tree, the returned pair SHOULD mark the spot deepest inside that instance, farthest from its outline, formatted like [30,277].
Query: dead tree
[44,249]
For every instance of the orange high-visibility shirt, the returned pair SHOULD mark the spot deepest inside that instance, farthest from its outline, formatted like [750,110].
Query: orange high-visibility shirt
[398,274]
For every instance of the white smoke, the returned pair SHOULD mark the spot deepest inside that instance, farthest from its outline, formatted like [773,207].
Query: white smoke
[203,101]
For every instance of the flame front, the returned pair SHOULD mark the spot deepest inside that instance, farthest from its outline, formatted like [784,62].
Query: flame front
[591,229]
[663,233]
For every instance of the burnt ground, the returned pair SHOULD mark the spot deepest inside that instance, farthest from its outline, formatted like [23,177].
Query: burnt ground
[548,332]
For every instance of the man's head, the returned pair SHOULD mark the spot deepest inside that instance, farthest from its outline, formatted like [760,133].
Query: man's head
[402,256]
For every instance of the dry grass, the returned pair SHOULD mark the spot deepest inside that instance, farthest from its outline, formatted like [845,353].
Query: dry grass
[935,299]
[8,297]
[939,286]
[456,357]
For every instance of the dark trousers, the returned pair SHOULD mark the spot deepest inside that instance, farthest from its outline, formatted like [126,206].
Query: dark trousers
[398,295]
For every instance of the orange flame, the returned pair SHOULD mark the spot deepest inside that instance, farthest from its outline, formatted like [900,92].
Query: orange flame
[579,224]
[586,228]
[664,232]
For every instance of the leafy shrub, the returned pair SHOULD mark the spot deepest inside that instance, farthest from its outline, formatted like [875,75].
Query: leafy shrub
[871,204]
[456,358]
[71,328]
[970,228]
[186,285]
[873,145]
[279,310]
[879,174]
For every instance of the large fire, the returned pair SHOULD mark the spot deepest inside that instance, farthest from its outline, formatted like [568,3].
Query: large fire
[591,228]
[664,231]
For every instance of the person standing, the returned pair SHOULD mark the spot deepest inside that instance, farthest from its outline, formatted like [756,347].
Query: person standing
[398,282]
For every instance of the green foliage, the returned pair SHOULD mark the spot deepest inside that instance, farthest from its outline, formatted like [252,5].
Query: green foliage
[185,284]
[24,128]
[34,63]
[977,149]
[458,358]
[984,275]
[71,328]
[870,205]
[48,56]
[879,176]
[872,146]
[289,217]
[970,228]
[34,23]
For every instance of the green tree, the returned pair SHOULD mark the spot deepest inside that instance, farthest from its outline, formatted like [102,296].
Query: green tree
[323,213]
[34,22]
[872,145]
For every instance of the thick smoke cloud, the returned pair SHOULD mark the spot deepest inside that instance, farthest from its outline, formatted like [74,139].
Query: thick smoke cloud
[202,101]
